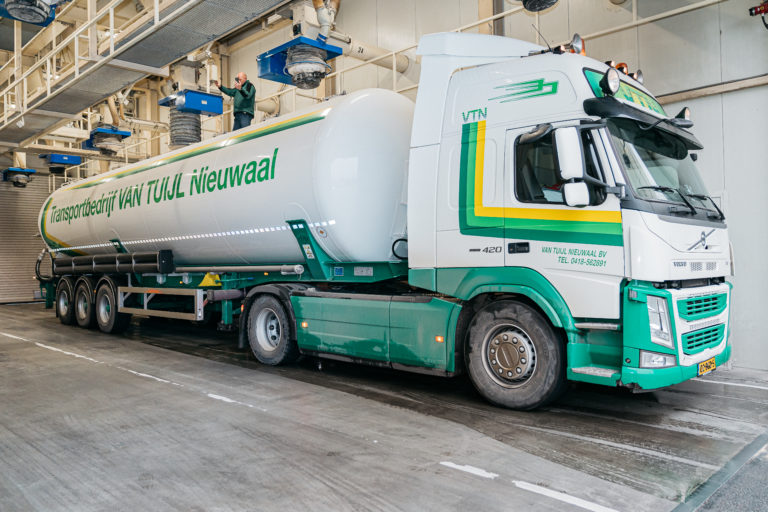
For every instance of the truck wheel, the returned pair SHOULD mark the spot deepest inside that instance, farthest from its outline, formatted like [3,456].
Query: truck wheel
[83,305]
[65,304]
[269,332]
[107,317]
[514,357]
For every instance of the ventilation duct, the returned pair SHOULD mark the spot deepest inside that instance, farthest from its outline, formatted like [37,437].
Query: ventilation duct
[31,11]
[538,5]
[185,128]
[306,65]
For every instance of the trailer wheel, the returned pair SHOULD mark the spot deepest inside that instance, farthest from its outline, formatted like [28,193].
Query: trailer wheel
[105,306]
[83,304]
[269,332]
[514,357]
[65,303]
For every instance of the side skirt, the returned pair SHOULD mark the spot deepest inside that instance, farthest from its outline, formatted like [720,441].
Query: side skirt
[380,364]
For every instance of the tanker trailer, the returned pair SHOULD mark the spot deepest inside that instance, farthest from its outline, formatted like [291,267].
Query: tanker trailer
[556,229]
[194,223]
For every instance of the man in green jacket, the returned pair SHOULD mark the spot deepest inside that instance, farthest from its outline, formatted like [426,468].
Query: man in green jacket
[244,94]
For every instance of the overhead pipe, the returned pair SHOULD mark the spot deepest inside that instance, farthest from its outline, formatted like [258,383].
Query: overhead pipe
[157,126]
[326,15]
[269,106]
[367,52]
[112,105]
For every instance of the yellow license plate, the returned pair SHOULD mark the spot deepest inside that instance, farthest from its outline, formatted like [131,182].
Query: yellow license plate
[706,366]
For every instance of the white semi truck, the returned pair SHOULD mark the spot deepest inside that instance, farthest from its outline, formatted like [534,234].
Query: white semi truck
[535,217]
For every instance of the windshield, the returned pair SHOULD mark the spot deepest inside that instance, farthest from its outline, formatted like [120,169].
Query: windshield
[658,165]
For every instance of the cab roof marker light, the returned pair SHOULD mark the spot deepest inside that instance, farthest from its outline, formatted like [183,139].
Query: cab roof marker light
[685,113]
[623,67]
[638,76]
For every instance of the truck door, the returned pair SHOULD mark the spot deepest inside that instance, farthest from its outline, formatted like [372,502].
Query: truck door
[579,250]
[470,185]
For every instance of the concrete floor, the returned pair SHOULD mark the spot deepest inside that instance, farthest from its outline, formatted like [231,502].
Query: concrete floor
[171,417]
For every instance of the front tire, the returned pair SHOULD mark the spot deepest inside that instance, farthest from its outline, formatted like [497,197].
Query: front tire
[270,333]
[65,301]
[514,357]
[105,306]
[83,305]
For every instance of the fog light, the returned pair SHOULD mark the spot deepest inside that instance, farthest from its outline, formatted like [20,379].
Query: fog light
[656,360]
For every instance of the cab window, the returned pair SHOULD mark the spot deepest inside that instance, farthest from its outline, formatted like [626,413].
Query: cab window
[537,179]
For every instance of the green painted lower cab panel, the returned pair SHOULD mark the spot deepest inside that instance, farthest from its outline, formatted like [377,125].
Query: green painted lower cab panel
[466,283]
[358,328]
[423,334]
[599,350]
[637,330]
[416,333]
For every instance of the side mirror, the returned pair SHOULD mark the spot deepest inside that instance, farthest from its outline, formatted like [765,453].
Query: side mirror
[576,193]
[570,156]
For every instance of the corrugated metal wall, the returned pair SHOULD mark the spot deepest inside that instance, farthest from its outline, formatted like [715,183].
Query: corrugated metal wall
[19,245]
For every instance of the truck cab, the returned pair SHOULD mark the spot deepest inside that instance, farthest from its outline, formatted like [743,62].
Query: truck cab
[546,187]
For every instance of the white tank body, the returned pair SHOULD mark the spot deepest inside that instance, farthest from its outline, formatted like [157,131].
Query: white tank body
[340,165]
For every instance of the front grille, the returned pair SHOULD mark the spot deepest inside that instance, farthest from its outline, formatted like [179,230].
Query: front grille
[696,308]
[696,341]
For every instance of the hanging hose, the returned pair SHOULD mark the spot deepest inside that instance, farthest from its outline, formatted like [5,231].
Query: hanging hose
[394,248]
[42,278]
[185,128]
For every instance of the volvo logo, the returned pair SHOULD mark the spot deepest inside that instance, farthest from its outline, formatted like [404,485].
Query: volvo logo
[702,241]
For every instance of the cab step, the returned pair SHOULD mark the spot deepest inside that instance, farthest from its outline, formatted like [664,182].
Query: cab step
[595,374]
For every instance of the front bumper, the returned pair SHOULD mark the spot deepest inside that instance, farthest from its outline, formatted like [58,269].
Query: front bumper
[654,378]
[684,328]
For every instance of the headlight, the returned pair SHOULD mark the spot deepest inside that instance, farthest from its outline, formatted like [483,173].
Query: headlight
[658,319]
[656,360]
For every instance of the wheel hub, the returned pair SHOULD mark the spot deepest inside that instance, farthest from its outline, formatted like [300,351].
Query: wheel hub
[104,309]
[63,304]
[510,355]
[82,306]
[268,329]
